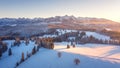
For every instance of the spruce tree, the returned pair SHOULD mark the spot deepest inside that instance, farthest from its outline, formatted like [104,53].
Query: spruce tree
[33,50]
[38,48]
[0,52]
[17,64]
[22,57]
[27,54]
[9,52]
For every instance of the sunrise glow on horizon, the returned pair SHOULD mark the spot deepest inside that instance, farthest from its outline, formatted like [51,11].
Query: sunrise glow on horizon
[109,9]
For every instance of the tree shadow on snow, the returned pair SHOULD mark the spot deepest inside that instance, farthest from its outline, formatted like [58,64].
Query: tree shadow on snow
[90,62]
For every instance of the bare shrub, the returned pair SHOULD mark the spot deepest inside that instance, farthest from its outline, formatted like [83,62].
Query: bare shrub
[68,46]
[73,46]
[59,54]
[76,61]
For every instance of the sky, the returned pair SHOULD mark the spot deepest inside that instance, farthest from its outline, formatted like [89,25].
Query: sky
[109,9]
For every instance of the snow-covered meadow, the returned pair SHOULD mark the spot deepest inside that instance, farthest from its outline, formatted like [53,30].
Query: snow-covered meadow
[88,34]
[90,55]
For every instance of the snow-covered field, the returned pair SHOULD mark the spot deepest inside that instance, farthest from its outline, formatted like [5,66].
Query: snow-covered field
[88,33]
[90,55]
[97,35]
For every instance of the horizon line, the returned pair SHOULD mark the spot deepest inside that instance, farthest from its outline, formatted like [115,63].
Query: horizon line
[61,16]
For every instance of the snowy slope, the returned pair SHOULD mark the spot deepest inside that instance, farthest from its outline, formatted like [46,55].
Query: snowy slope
[60,31]
[97,35]
[47,35]
[90,57]
[10,61]
[88,33]
[110,53]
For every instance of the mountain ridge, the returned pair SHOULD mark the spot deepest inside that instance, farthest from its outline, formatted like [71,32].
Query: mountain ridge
[62,19]
[27,26]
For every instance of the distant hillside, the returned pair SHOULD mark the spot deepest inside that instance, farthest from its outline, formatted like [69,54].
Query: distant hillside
[85,23]
[27,26]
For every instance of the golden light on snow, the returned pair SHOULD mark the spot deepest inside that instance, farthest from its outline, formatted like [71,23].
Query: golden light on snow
[102,52]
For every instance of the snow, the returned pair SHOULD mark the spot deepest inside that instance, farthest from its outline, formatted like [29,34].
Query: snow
[60,32]
[70,38]
[10,61]
[65,31]
[97,35]
[55,22]
[108,29]
[46,36]
[110,53]
[90,55]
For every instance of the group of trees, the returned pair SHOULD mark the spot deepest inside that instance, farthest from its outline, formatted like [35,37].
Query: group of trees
[3,48]
[26,41]
[17,41]
[28,55]
[41,42]
[112,34]
[92,39]
[64,37]
[45,42]
[82,38]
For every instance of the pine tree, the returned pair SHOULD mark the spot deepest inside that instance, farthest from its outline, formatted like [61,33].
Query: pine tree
[17,64]
[38,48]
[27,55]
[22,57]
[9,52]
[27,42]
[71,43]
[0,52]
[33,50]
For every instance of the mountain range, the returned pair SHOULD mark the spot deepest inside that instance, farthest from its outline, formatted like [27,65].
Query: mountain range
[37,25]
